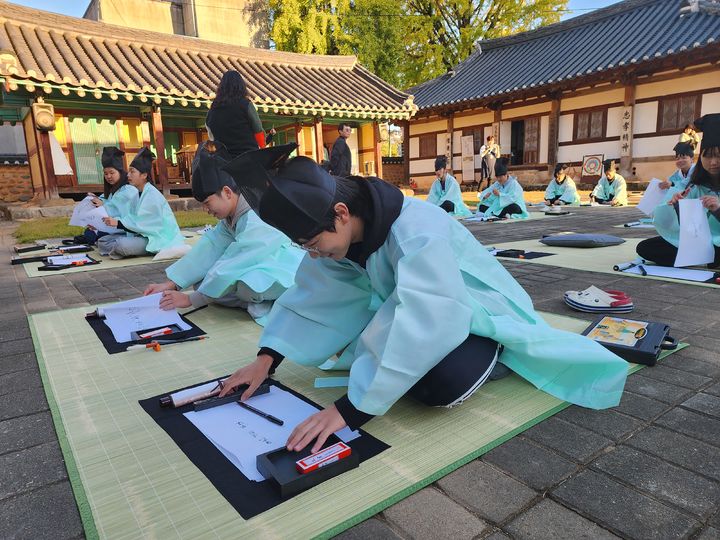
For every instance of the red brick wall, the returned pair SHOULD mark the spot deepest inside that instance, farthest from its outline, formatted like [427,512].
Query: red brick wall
[394,173]
[15,183]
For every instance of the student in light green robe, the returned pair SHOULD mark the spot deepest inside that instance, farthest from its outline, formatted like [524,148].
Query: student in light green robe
[241,262]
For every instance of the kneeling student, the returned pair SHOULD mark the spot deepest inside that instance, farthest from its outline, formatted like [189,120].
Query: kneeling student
[445,191]
[242,262]
[413,300]
[561,189]
[505,197]
[150,224]
[611,188]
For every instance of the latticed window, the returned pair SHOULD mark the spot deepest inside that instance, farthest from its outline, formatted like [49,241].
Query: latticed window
[675,113]
[590,125]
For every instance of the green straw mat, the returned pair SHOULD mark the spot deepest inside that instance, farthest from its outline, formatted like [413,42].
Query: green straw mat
[600,259]
[132,481]
[32,269]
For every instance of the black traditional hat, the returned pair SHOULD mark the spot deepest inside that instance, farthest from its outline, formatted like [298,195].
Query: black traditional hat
[684,149]
[710,127]
[559,167]
[208,177]
[113,157]
[440,162]
[501,166]
[609,165]
[143,161]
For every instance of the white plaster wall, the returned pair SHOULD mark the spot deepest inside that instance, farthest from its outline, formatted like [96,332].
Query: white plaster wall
[710,103]
[457,166]
[645,120]
[488,131]
[457,142]
[414,147]
[565,127]
[352,142]
[614,121]
[575,152]
[421,166]
[442,143]
[544,137]
[654,146]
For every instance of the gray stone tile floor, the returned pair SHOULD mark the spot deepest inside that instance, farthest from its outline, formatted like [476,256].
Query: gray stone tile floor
[649,468]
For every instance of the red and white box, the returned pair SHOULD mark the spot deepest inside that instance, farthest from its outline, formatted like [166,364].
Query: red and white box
[326,456]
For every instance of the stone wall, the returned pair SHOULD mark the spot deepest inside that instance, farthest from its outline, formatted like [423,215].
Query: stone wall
[15,183]
[394,172]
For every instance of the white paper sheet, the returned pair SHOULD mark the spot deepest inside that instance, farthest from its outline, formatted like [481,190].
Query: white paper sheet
[696,245]
[130,316]
[652,197]
[85,213]
[242,435]
[67,260]
[688,274]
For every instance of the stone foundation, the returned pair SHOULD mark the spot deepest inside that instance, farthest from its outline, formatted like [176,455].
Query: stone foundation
[15,183]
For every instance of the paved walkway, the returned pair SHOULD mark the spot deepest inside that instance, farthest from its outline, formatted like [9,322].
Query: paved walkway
[648,469]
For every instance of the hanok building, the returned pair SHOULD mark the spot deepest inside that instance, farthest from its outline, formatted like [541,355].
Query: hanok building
[110,85]
[620,82]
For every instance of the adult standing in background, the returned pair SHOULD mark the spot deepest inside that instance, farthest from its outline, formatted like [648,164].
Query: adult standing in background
[340,157]
[489,152]
[233,119]
[690,136]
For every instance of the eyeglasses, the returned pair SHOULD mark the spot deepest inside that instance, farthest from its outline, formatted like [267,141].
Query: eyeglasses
[305,248]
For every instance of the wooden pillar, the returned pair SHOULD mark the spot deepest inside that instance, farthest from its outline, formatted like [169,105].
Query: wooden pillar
[405,126]
[157,128]
[299,139]
[553,133]
[319,146]
[626,129]
[49,178]
[377,145]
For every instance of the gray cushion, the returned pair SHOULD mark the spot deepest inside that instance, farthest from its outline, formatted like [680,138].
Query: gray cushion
[582,240]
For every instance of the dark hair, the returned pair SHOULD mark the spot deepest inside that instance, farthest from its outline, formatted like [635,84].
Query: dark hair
[490,137]
[354,193]
[690,126]
[109,189]
[559,167]
[700,176]
[343,125]
[232,88]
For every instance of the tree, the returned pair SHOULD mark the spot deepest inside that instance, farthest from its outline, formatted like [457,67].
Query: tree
[307,26]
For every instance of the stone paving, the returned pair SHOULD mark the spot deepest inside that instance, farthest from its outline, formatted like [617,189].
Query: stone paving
[650,468]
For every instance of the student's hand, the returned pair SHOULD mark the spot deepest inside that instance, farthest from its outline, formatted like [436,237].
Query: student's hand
[710,202]
[91,228]
[665,184]
[318,427]
[676,198]
[173,300]
[548,203]
[97,202]
[159,287]
[272,131]
[487,196]
[253,375]
[495,192]
[110,222]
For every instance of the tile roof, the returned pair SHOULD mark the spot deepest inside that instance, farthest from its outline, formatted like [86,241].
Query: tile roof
[600,44]
[52,52]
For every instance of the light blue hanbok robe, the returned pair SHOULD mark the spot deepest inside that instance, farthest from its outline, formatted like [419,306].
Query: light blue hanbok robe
[121,202]
[678,180]
[511,192]
[251,251]
[423,291]
[615,191]
[567,191]
[666,219]
[153,218]
[452,193]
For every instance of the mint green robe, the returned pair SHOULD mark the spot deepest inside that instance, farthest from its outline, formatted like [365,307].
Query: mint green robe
[153,218]
[252,252]
[567,191]
[428,287]
[452,193]
[121,202]
[615,191]
[511,192]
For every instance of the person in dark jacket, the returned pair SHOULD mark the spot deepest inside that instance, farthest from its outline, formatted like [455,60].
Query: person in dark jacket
[340,158]
[233,119]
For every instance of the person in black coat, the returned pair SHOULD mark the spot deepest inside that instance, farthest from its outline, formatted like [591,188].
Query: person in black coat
[233,119]
[340,158]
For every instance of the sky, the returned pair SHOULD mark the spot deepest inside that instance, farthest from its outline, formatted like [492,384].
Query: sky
[76,8]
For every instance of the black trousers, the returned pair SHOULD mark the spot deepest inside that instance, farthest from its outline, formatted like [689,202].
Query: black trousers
[448,206]
[459,374]
[508,210]
[556,199]
[662,252]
